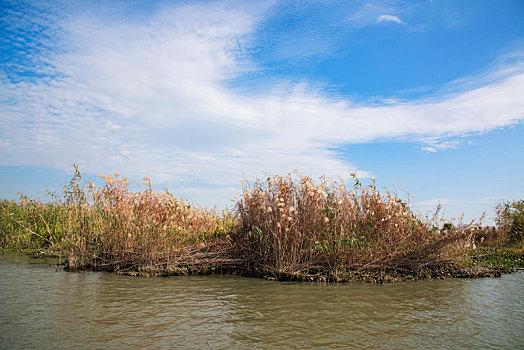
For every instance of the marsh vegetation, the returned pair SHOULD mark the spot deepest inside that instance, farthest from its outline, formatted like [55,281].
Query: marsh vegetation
[282,227]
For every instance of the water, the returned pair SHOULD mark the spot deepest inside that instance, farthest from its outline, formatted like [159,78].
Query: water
[45,308]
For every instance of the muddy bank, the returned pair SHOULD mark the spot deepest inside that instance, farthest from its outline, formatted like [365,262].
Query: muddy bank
[389,275]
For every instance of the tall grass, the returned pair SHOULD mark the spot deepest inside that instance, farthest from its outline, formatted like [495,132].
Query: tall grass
[510,222]
[292,225]
[114,227]
[31,225]
[281,225]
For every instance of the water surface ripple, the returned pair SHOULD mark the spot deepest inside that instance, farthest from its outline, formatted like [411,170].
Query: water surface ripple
[45,308]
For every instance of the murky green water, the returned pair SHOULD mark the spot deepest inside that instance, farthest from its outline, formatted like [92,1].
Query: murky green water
[43,308]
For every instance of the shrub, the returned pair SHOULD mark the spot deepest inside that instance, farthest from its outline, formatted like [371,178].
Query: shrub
[510,220]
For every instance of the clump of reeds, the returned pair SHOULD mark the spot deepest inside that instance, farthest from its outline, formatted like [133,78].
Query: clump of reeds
[114,227]
[31,225]
[146,228]
[291,224]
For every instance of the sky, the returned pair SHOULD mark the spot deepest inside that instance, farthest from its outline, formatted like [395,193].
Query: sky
[426,96]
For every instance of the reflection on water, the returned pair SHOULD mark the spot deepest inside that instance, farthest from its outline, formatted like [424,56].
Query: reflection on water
[42,307]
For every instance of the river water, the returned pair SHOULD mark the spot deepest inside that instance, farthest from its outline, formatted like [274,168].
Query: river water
[47,308]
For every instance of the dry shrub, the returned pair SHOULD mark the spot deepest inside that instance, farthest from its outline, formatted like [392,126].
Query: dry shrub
[292,224]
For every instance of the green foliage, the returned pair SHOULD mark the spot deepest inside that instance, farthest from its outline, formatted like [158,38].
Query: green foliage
[496,257]
[30,224]
[510,220]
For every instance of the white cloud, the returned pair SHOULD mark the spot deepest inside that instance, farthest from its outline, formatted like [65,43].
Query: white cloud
[150,96]
[389,18]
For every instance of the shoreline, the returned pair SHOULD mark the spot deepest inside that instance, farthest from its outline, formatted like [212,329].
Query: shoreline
[350,275]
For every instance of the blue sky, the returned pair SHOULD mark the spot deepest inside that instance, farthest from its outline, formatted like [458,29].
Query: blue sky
[197,95]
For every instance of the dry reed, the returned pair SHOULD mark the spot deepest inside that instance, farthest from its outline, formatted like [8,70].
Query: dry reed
[282,226]
[292,225]
[114,228]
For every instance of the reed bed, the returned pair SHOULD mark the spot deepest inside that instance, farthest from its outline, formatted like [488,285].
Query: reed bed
[285,227]
[116,229]
[31,225]
[296,227]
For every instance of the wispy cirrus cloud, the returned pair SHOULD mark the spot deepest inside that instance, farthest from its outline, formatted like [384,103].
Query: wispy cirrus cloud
[389,18]
[151,95]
